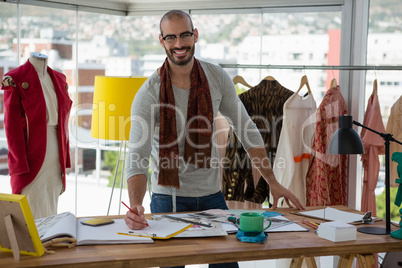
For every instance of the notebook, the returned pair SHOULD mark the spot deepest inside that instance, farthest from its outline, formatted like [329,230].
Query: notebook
[66,225]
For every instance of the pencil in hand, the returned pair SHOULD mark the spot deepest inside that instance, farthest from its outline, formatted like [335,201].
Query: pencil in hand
[132,211]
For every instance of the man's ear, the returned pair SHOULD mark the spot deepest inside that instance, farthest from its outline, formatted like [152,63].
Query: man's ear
[195,35]
[161,41]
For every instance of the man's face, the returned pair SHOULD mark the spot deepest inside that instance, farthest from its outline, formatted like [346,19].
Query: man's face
[179,51]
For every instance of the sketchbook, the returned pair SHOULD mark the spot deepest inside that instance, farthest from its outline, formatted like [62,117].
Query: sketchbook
[66,225]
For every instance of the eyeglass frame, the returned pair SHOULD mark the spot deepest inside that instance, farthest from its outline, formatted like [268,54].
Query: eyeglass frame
[177,36]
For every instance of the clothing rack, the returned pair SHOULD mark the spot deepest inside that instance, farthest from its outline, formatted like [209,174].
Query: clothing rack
[315,67]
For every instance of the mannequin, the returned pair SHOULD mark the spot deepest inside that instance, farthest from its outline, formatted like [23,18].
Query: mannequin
[39,62]
[38,56]
[38,142]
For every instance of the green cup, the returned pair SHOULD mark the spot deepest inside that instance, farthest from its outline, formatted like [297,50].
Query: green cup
[252,222]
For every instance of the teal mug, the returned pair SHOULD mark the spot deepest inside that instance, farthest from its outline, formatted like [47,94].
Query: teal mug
[253,222]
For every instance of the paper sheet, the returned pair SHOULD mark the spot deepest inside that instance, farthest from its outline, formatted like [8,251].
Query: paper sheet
[333,214]
[158,229]
[217,228]
[291,227]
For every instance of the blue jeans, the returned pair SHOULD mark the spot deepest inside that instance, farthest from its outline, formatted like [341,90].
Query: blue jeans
[161,203]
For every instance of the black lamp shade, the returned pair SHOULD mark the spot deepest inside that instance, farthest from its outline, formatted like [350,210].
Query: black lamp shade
[346,140]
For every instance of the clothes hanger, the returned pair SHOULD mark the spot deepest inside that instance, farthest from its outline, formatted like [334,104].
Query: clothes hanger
[333,83]
[374,87]
[239,79]
[269,78]
[375,83]
[304,81]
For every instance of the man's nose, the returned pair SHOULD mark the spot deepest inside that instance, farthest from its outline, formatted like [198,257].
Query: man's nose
[178,41]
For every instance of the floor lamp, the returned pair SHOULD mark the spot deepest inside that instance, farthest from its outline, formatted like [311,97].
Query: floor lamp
[111,116]
[346,141]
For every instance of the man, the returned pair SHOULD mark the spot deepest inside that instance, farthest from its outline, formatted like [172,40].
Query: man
[172,122]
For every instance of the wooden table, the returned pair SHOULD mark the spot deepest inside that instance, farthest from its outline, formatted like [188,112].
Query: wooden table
[181,251]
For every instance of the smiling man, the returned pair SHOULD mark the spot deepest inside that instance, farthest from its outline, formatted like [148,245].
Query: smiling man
[184,53]
[173,125]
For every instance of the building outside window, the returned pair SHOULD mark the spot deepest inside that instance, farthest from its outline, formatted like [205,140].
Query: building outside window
[84,44]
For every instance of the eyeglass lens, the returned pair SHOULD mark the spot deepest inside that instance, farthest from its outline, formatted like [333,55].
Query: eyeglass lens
[173,38]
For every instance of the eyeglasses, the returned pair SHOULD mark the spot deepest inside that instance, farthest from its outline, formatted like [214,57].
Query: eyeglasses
[171,39]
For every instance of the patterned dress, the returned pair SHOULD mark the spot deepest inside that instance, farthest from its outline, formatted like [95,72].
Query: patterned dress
[264,103]
[326,181]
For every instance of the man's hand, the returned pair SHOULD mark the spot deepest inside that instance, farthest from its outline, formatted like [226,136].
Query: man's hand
[136,186]
[260,160]
[278,191]
[136,221]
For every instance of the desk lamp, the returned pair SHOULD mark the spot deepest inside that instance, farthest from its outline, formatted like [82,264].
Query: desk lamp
[346,141]
[111,117]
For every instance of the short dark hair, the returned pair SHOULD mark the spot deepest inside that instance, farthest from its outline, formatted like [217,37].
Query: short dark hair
[175,13]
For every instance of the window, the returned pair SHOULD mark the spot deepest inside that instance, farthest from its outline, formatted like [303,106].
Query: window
[83,44]
[8,59]
[383,49]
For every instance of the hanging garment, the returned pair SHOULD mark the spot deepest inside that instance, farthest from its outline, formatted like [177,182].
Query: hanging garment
[294,147]
[326,180]
[264,103]
[394,127]
[373,146]
[221,138]
[26,124]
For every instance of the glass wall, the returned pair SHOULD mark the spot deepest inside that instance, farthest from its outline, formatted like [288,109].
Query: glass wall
[83,45]
[108,45]
[383,48]
[8,59]
[297,38]
[223,39]
[306,38]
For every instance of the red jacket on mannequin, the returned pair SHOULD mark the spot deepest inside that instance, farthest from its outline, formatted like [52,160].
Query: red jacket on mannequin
[26,125]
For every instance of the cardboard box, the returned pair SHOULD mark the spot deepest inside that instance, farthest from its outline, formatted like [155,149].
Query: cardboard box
[337,231]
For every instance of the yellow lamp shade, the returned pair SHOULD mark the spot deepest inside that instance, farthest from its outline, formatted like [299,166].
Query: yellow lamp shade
[111,114]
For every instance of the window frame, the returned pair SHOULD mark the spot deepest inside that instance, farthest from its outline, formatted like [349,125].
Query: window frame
[354,31]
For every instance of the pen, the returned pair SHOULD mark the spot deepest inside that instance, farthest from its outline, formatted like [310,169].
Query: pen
[311,224]
[132,211]
[131,233]
[143,235]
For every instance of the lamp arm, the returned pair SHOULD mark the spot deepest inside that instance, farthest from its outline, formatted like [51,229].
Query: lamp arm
[385,136]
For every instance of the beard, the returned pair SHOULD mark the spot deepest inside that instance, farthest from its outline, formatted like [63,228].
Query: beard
[181,61]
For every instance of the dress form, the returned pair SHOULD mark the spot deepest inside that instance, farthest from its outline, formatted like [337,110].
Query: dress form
[43,192]
[39,62]
[38,56]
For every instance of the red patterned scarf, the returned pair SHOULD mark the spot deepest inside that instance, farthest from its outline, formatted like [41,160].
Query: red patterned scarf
[199,126]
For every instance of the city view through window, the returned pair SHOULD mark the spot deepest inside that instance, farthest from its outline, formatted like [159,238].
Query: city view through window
[83,45]
[383,49]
